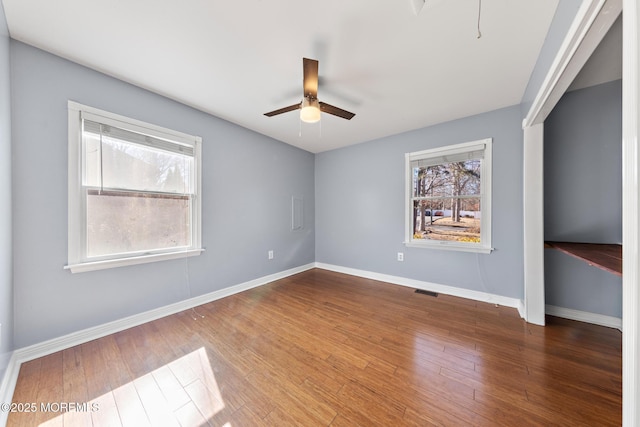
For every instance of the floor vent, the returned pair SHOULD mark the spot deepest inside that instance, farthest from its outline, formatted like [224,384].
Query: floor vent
[422,291]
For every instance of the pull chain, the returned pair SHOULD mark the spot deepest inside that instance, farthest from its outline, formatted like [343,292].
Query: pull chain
[479,12]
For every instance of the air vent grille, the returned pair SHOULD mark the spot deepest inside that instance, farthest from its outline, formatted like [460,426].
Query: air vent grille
[431,294]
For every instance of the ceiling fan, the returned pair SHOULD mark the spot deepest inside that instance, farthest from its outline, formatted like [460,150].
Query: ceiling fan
[310,107]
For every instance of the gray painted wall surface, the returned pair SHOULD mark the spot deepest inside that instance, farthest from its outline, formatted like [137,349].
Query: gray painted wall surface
[247,181]
[360,207]
[564,16]
[6,286]
[583,166]
[583,195]
[572,283]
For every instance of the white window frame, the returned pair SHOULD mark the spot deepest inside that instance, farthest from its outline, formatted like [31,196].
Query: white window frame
[77,257]
[484,246]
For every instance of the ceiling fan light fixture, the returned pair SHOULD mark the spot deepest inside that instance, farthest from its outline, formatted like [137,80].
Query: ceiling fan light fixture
[310,111]
[310,107]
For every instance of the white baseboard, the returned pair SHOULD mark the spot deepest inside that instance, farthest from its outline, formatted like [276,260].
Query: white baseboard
[8,384]
[521,311]
[428,286]
[34,351]
[584,316]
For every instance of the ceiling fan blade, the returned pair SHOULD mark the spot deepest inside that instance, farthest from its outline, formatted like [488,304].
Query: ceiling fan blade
[418,5]
[283,110]
[330,109]
[310,78]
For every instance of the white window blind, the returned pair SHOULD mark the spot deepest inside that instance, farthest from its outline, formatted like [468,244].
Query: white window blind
[115,158]
[133,191]
[426,158]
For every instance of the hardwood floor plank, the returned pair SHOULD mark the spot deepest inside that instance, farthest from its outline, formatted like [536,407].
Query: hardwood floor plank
[130,408]
[75,387]
[379,409]
[504,412]
[25,392]
[293,399]
[413,418]
[183,371]
[208,403]
[230,378]
[242,417]
[278,417]
[107,413]
[50,390]
[325,349]
[171,388]
[189,415]
[154,402]
[96,369]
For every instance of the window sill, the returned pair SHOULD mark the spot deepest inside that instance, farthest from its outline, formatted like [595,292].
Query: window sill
[121,262]
[449,246]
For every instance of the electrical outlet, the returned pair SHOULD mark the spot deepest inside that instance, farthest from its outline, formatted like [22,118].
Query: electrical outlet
[270,254]
[400,256]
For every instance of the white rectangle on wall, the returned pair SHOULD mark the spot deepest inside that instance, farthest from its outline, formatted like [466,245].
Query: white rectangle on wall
[297,213]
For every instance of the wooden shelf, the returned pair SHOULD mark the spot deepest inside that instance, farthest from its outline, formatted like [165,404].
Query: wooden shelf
[605,256]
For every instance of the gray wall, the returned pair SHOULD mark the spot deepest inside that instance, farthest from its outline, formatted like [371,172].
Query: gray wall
[248,181]
[360,207]
[583,195]
[6,289]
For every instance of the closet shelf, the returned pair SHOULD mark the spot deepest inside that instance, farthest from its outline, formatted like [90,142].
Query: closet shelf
[605,256]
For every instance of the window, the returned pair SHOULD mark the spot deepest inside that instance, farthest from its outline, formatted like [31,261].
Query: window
[448,197]
[133,191]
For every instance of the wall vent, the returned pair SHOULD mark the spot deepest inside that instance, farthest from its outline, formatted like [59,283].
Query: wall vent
[431,294]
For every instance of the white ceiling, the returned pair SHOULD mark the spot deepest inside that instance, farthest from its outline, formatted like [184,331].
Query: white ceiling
[396,70]
[605,64]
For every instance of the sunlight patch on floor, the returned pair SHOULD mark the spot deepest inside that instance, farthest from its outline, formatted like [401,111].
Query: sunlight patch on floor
[184,391]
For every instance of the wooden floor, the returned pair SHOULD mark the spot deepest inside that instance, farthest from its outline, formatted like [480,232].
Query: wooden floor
[321,348]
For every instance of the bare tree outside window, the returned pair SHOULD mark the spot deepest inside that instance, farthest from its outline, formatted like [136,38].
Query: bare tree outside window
[448,197]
